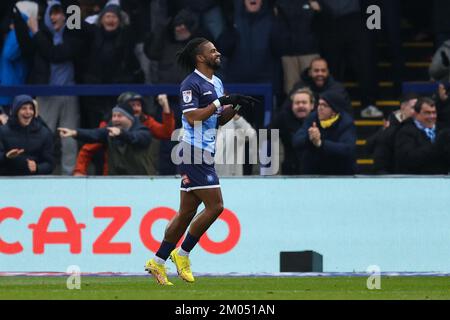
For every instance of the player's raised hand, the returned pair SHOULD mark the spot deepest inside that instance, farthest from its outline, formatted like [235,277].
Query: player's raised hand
[67,133]
[238,100]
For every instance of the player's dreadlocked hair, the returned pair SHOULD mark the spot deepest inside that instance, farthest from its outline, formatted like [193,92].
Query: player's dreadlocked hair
[186,56]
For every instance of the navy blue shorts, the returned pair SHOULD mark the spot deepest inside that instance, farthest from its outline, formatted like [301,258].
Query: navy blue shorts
[197,174]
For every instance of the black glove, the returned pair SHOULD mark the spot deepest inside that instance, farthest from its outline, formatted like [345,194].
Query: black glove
[238,100]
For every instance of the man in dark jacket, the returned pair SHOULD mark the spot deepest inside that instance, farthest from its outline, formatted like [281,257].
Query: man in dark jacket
[295,41]
[327,139]
[382,144]
[248,46]
[163,44]
[127,139]
[26,143]
[417,140]
[111,60]
[318,78]
[57,61]
[288,122]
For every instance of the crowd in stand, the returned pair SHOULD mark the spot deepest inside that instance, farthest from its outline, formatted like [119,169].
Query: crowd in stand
[304,48]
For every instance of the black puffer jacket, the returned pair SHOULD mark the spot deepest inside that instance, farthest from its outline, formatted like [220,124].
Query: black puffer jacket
[162,46]
[37,141]
[336,155]
[382,145]
[111,57]
[414,152]
[248,46]
[294,27]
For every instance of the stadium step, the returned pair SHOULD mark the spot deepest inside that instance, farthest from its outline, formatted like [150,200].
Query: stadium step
[385,90]
[411,70]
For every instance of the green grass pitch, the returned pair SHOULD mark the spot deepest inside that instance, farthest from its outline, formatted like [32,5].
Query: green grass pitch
[235,288]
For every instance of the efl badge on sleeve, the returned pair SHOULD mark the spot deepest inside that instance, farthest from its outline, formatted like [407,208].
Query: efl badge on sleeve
[187,96]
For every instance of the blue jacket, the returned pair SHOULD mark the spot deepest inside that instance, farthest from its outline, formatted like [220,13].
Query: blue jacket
[336,155]
[37,141]
[45,53]
[13,66]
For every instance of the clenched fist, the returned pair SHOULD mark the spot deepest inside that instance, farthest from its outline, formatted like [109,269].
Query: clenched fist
[67,133]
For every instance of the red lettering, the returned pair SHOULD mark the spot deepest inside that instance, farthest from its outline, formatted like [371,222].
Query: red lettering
[145,229]
[10,213]
[120,216]
[234,233]
[41,235]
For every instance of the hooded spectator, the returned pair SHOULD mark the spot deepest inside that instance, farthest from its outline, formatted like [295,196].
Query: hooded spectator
[163,44]
[111,61]
[111,57]
[26,143]
[57,60]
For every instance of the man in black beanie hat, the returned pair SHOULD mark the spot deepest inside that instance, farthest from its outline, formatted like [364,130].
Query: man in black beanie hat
[327,139]
[127,139]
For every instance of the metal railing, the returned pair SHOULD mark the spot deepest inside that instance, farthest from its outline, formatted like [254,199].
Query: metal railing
[264,90]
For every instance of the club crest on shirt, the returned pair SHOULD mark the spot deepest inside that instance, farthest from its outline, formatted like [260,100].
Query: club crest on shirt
[187,96]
